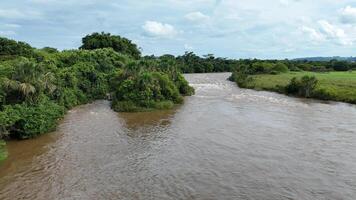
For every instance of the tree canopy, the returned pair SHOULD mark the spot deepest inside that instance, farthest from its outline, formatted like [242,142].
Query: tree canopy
[106,40]
[13,48]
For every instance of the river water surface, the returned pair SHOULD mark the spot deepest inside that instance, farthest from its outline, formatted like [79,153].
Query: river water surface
[223,143]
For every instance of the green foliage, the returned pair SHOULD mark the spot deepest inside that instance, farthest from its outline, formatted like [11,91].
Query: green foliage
[303,87]
[280,68]
[183,86]
[135,88]
[191,63]
[49,50]
[27,121]
[241,78]
[106,40]
[340,65]
[27,82]
[37,89]
[10,48]
[336,86]
[3,152]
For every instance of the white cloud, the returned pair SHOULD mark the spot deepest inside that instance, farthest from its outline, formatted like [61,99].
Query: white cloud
[158,29]
[197,17]
[17,14]
[313,34]
[327,32]
[348,14]
[333,32]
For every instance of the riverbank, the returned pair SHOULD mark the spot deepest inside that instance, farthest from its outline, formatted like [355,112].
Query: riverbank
[3,152]
[335,86]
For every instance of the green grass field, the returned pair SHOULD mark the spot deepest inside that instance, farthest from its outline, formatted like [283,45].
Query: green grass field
[3,153]
[339,86]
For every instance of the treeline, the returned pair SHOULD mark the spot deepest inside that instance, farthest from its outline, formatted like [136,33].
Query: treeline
[37,86]
[192,63]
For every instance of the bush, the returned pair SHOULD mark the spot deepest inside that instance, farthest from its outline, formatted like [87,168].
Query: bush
[303,87]
[135,88]
[279,68]
[340,65]
[324,94]
[30,121]
[241,78]
[183,86]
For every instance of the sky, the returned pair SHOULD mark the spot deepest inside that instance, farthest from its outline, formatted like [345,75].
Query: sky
[265,29]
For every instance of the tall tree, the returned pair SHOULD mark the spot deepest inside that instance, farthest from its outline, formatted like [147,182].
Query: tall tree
[106,40]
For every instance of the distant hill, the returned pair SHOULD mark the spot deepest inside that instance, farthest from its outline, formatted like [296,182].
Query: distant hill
[349,59]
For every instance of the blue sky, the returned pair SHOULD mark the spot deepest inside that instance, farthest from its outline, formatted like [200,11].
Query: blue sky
[226,28]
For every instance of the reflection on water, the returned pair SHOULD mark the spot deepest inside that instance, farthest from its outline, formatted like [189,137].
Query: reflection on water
[146,119]
[223,143]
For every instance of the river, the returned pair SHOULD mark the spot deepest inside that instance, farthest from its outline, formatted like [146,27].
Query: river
[223,143]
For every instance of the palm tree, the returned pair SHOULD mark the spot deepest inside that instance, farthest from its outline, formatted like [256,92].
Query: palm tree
[29,79]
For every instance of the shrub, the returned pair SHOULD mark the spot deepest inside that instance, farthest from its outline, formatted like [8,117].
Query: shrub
[35,120]
[303,87]
[340,65]
[279,68]
[183,86]
[241,78]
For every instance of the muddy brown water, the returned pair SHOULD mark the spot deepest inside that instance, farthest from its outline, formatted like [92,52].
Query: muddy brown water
[223,143]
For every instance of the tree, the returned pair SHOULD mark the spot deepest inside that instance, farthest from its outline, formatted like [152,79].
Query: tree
[106,40]
[303,87]
[28,81]
[340,65]
[12,48]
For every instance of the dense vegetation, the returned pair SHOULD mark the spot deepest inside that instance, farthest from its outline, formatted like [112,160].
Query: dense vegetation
[336,86]
[191,63]
[106,40]
[326,80]
[37,86]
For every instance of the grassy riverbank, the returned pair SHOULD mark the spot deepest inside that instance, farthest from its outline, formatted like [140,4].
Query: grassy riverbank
[336,86]
[3,152]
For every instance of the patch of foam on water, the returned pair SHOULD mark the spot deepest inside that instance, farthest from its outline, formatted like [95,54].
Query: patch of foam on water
[205,97]
[209,86]
[93,113]
[263,98]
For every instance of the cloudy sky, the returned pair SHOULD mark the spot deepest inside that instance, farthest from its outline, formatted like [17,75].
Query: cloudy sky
[226,28]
